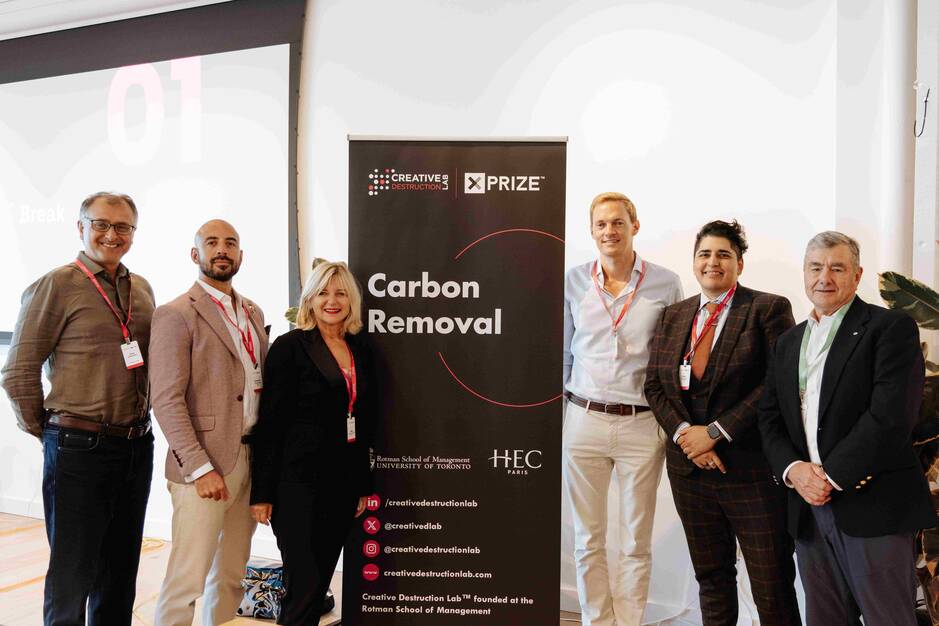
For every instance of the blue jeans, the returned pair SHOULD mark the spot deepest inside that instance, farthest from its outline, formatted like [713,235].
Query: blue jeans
[94,490]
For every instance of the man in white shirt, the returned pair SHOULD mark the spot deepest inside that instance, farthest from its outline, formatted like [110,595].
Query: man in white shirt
[611,308]
[207,354]
[843,393]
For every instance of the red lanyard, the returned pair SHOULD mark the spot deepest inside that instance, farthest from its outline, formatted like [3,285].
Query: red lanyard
[711,321]
[629,298]
[94,281]
[350,380]
[246,339]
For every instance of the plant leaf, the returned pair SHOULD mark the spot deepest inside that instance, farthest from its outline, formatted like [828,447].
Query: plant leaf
[912,297]
[291,314]
[932,367]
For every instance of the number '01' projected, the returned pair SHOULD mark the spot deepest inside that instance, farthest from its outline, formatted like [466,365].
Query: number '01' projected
[137,151]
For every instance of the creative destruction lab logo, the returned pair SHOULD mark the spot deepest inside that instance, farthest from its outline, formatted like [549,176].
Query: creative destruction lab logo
[390,179]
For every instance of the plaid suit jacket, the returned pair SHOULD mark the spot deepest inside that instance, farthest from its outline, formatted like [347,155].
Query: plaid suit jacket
[733,379]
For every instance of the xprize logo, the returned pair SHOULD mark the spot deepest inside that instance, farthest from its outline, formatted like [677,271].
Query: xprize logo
[474,182]
[516,462]
[480,182]
[390,179]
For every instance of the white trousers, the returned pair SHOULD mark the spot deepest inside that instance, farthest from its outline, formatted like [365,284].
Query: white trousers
[595,445]
[211,545]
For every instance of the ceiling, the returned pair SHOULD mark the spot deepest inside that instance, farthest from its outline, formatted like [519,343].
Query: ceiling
[19,18]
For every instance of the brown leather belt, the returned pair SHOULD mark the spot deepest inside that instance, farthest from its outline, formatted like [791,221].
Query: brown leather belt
[124,432]
[614,409]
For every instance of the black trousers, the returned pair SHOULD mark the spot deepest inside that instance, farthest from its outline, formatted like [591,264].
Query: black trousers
[311,523]
[94,491]
[846,577]
[716,512]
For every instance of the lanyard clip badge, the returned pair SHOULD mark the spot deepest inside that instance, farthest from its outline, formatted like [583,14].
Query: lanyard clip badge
[684,370]
[247,340]
[352,389]
[130,349]
[615,322]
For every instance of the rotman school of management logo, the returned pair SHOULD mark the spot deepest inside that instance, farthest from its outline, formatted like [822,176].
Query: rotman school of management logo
[382,179]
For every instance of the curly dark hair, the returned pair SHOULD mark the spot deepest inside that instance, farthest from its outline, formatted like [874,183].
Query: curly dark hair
[731,231]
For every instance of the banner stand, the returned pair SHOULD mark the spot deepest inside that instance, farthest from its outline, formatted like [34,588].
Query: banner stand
[459,248]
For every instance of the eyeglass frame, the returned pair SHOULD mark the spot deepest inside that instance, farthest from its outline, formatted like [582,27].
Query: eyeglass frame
[93,221]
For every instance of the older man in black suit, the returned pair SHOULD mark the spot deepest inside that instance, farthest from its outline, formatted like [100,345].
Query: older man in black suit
[842,395]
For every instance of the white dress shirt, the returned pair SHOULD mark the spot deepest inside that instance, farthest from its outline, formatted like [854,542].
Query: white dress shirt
[236,313]
[602,366]
[815,358]
[700,320]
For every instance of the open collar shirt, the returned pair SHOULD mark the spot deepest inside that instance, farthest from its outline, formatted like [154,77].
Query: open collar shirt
[600,365]
[65,326]
[815,355]
[232,306]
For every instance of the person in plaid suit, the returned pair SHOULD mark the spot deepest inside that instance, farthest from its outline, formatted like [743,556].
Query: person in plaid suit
[705,377]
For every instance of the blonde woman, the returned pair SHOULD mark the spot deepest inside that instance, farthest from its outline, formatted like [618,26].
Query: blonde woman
[310,448]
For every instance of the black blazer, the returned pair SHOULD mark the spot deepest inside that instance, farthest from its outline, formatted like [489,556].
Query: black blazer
[300,436]
[732,383]
[871,392]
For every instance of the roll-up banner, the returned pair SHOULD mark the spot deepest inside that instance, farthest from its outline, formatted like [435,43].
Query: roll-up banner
[459,248]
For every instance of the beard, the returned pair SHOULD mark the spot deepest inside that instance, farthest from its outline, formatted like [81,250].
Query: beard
[208,269]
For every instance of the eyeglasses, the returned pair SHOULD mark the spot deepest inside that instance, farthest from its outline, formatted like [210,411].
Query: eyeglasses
[103,226]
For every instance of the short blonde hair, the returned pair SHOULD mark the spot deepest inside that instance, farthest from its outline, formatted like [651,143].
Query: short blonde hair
[322,274]
[613,196]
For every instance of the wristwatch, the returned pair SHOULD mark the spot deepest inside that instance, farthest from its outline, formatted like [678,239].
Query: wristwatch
[713,431]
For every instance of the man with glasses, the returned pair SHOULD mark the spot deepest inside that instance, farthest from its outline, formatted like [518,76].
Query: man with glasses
[89,323]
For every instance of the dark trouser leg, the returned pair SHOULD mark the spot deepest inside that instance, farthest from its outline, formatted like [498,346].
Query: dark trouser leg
[712,546]
[757,513]
[828,599]
[878,571]
[77,482]
[311,529]
[111,602]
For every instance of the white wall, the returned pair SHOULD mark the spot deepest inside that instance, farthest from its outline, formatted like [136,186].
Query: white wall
[768,112]
[695,110]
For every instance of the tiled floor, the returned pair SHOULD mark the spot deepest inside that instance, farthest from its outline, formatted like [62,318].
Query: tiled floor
[26,552]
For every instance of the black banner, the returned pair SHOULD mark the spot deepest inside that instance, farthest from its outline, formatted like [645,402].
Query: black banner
[458,246]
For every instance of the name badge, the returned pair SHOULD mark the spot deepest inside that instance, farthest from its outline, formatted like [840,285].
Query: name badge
[256,380]
[684,376]
[132,356]
[350,429]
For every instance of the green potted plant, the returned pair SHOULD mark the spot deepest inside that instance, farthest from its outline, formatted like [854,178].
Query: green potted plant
[921,303]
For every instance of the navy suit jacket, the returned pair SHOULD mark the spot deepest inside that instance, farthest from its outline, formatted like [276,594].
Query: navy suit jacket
[871,392]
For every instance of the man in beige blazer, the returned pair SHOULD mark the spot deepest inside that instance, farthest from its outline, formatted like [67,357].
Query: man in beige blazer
[207,353]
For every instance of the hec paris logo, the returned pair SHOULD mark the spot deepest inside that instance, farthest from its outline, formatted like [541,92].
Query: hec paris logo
[379,180]
[474,182]
[516,462]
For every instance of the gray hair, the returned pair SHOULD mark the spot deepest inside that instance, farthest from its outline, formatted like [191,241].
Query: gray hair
[832,238]
[110,198]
